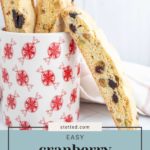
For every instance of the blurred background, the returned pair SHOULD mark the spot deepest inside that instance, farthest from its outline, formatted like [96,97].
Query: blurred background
[126,24]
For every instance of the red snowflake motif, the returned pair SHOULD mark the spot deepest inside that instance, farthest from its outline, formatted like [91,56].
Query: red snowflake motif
[73,96]
[57,103]
[45,124]
[11,101]
[67,73]
[8,121]
[8,50]
[22,78]
[5,76]
[24,125]
[54,51]
[47,77]
[68,118]
[29,50]
[72,48]
[31,104]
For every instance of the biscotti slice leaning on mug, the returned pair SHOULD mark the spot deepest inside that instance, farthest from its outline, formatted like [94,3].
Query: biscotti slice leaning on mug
[104,65]
[19,15]
[48,15]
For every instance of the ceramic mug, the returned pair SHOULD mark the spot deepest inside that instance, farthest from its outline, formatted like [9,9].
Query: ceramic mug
[39,79]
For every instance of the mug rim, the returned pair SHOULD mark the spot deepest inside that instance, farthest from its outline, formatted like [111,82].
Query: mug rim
[32,34]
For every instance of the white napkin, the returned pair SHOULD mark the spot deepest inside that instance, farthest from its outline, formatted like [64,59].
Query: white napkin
[139,77]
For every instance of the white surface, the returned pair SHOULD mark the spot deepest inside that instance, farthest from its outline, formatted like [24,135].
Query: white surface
[99,113]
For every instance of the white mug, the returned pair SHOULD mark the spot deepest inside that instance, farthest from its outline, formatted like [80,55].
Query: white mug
[39,78]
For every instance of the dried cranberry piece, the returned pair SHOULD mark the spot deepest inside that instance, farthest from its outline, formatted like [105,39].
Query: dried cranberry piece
[112,84]
[73,28]
[73,14]
[100,67]
[115,98]
[18,19]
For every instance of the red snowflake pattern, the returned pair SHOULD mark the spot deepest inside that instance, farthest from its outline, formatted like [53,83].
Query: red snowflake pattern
[11,101]
[5,77]
[22,78]
[8,121]
[31,104]
[73,96]
[29,50]
[24,125]
[68,118]
[67,73]
[56,103]
[54,51]
[72,49]
[8,50]
[47,77]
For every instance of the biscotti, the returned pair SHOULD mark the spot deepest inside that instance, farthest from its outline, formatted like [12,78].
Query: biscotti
[19,15]
[48,15]
[104,65]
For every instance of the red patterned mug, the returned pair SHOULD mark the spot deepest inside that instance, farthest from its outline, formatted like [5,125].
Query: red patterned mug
[39,78]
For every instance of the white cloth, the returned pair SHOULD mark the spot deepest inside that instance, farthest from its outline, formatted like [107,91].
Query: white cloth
[140,81]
